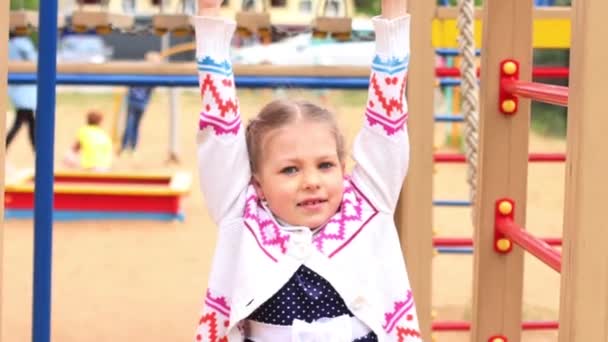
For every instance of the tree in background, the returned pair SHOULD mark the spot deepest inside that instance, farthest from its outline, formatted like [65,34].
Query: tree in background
[24,4]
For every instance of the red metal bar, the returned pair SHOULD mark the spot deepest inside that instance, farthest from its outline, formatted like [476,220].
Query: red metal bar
[551,72]
[466,326]
[541,72]
[468,242]
[533,157]
[527,241]
[548,93]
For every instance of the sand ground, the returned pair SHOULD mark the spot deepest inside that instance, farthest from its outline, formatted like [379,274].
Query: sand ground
[144,281]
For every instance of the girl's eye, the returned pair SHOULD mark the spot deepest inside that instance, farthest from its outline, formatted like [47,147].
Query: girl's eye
[289,170]
[326,165]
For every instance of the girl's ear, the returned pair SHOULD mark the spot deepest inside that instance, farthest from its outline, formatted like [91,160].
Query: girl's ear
[258,187]
[343,166]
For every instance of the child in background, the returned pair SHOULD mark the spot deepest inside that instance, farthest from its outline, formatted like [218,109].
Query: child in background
[138,98]
[304,252]
[23,97]
[93,145]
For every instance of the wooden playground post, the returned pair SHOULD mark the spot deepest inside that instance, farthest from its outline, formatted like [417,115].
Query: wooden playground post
[415,211]
[503,168]
[584,285]
[4,15]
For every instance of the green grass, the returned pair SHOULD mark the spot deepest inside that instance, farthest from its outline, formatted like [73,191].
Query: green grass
[548,120]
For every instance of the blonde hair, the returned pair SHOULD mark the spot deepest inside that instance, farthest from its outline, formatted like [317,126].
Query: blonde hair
[279,113]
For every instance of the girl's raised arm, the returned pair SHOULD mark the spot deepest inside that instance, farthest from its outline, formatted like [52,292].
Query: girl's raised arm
[222,151]
[381,150]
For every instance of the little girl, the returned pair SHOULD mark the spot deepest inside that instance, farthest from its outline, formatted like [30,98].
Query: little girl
[304,252]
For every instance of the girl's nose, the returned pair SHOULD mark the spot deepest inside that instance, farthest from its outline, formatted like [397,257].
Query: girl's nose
[311,180]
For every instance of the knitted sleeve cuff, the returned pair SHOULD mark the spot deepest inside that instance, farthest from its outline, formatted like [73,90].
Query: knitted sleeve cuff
[392,36]
[213,36]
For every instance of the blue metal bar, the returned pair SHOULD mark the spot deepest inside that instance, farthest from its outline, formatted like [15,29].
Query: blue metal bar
[452,52]
[455,250]
[452,203]
[448,118]
[77,215]
[43,196]
[192,81]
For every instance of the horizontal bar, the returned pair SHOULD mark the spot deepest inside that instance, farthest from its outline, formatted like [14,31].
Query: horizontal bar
[452,52]
[539,12]
[466,326]
[547,93]
[533,245]
[452,203]
[468,242]
[76,215]
[448,118]
[455,250]
[190,69]
[533,157]
[539,71]
[192,81]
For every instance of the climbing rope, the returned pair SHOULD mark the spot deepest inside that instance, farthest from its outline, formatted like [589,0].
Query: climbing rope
[469,90]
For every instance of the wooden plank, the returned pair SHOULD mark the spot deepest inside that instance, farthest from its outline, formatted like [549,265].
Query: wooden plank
[502,172]
[414,214]
[557,12]
[94,19]
[584,286]
[23,19]
[4,17]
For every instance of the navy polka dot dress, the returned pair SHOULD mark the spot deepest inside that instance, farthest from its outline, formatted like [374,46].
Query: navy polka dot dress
[307,297]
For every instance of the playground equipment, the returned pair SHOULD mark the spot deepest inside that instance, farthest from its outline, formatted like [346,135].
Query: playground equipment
[23,21]
[338,27]
[254,21]
[504,154]
[101,196]
[100,20]
[175,23]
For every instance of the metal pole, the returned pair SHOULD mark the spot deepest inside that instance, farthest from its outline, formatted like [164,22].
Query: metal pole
[43,197]
[173,116]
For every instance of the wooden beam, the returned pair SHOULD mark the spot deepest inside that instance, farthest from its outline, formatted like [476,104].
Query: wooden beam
[584,285]
[538,13]
[4,17]
[23,19]
[168,22]
[414,213]
[502,172]
[96,19]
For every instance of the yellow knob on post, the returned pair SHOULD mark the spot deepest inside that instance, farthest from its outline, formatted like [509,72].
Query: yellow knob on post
[503,245]
[508,106]
[505,207]
[509,68]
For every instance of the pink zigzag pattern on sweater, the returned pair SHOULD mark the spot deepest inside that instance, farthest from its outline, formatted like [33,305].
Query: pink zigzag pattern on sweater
[218,303]
[390,126]
[268,233]
[341,218]
[400,309]
[220,125]
[349,221]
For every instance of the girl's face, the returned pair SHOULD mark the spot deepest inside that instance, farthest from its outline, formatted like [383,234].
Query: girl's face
[300,174]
